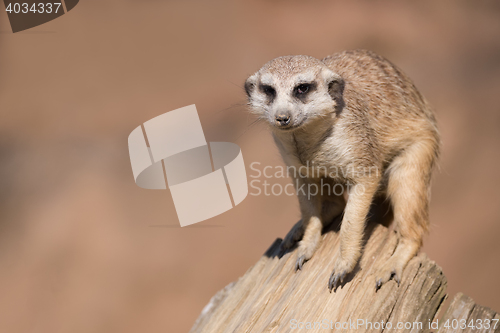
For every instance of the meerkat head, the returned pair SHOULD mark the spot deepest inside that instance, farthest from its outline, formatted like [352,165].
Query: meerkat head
[292,91]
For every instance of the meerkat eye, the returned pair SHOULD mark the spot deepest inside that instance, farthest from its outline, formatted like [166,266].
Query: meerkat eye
[268,90]
[303,88]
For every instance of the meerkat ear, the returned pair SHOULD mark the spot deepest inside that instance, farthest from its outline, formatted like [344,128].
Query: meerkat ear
[250,84]
[335,86]
[336,89]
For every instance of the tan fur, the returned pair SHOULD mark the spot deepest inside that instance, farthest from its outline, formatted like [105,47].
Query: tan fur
[360,112]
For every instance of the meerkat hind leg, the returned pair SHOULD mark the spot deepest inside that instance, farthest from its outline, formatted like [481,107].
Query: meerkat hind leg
[293,236]
[405,250]
[331,209]
[408,190]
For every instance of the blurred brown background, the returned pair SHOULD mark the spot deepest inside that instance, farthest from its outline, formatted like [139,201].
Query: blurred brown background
[83,249]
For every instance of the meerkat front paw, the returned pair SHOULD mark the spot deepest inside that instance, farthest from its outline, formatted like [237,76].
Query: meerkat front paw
[293,236]
[341,269]
[306,249]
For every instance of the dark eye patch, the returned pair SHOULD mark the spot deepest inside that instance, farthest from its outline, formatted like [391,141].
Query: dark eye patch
[302,90]
[268,90]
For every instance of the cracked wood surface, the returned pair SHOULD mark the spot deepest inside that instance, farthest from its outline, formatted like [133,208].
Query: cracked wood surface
[272,297]
[463,310]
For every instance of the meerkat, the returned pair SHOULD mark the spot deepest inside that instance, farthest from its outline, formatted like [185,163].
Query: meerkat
[350,111]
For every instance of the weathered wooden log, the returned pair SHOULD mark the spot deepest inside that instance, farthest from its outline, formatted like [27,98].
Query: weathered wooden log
[463,315]
[272,297]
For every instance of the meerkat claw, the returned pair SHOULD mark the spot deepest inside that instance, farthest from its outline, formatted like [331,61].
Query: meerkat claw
[334,279]
[397,279]
[299,263]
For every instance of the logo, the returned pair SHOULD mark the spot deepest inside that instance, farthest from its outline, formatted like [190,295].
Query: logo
[205,179]
[28,14]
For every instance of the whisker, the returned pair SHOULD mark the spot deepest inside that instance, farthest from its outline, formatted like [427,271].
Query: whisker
[250,126]
[233,106]
[237,85]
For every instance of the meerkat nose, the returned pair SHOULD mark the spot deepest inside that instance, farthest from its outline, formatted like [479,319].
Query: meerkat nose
[283,119]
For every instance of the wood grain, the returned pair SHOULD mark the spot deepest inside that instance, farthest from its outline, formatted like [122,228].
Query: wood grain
[272,297]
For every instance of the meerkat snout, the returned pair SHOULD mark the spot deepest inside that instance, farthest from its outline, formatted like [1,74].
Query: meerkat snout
[283,119]
[293,91]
